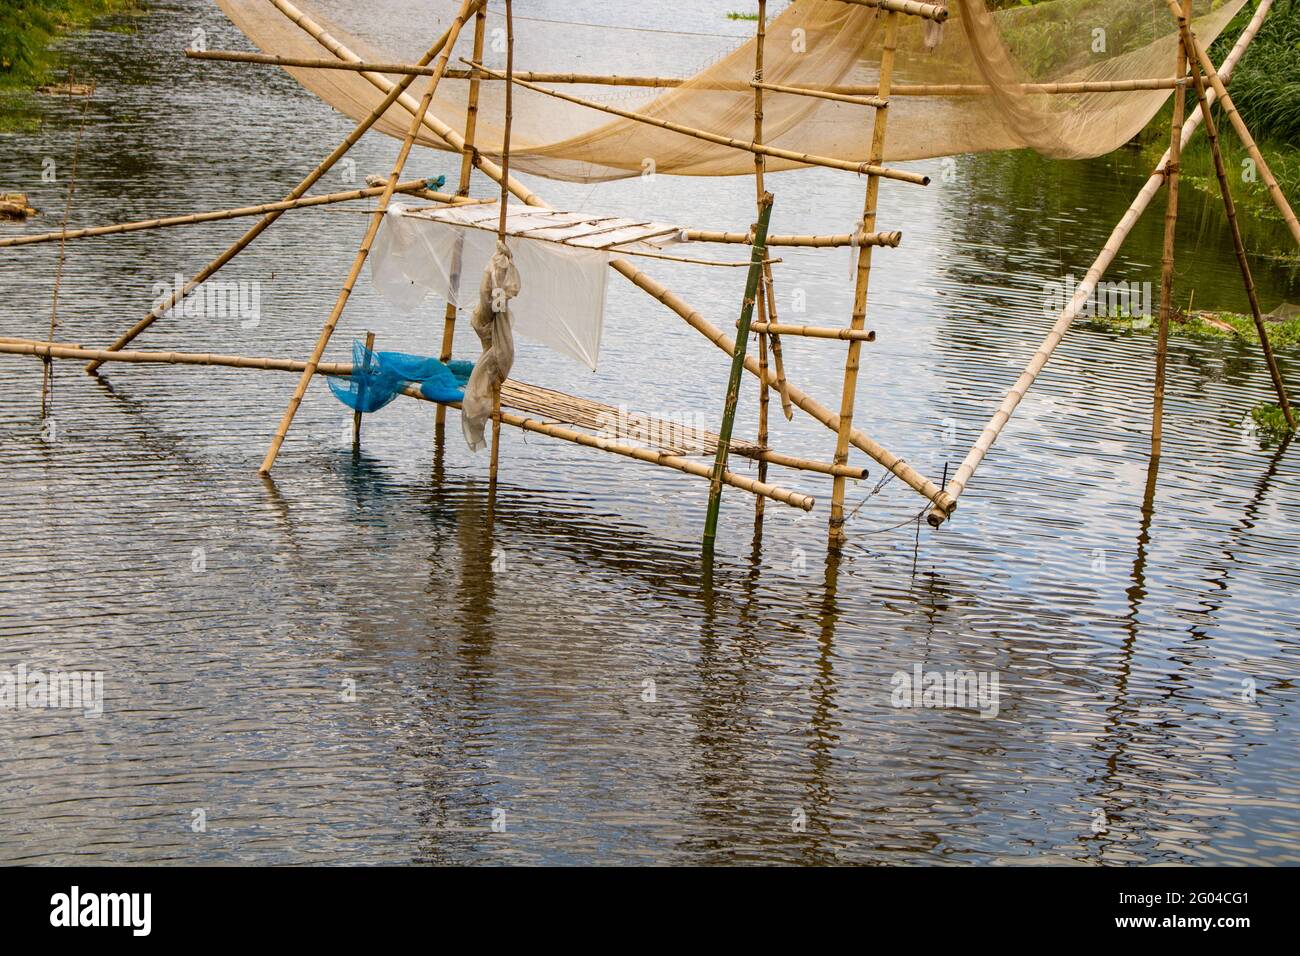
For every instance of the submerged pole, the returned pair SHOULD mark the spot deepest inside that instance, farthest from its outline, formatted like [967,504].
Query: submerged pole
[361,395]
[737,367]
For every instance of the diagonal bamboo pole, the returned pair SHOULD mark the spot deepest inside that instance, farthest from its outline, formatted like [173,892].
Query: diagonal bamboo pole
[1234,229]
[835,531]
[662,294]
[1243,133]
[405,100]
[1172,172]
[1084,293]
[453,32]
[868,168]
[466,169]
[161,309]
[410,186]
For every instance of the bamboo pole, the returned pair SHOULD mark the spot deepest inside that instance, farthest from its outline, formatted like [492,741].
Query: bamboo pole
[1243,133]
[1234,229]
[760,190]
[501,224]
[737,366]
[672,82]
[453,32]
[410,186]
[1084,293]
[872,101]
[835,530]
[466,170]
[891,239]
[161,309]
[816,332]
[929,11]
[356,414]
[808,159]
[769,306]
[1172,172]
[385,85]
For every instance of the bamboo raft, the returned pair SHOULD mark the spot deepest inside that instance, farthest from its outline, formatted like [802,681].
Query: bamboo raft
[615,430]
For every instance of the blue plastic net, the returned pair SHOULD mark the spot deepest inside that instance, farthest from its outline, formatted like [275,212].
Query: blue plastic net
[378,377]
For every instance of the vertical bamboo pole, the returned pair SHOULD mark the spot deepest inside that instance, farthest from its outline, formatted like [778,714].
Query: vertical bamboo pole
[835,534]
[466,169]
[356,415]
[760,165]
[158,311]
[47,373]
[363,253]
[1234,228]
[501,225]
[1172,173]
[757,258]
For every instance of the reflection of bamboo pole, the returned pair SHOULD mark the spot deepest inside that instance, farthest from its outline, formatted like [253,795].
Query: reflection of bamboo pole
[1084,293]
[363,253]
[1243,133]
[407,102]
[161,308]
[466,169]
[1234,229]
[809,159]
[410,186]
[737,367]
[1172,172]
[848,397]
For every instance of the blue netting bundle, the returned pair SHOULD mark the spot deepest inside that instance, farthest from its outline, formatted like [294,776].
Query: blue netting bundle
[378,377]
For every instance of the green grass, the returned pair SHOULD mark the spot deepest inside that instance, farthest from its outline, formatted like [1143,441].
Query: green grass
[1270,423]
[28,27]
[1283,335]
[733,15]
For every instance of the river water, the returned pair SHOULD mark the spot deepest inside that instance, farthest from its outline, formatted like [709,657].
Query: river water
[362,661]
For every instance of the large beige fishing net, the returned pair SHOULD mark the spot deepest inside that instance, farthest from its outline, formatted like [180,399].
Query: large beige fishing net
[989,55]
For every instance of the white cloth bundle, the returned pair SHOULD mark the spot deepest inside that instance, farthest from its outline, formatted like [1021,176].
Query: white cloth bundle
[491,322]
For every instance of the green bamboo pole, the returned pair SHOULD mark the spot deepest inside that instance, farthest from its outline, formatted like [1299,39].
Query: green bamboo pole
[737,367]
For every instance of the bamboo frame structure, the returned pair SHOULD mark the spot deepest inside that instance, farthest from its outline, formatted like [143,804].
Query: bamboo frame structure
[759,314]
[467,7]
[1234,227]
[1007,407]
[1172,172]
[1199,55]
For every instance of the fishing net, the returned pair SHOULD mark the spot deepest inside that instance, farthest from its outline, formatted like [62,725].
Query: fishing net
[379,377]
[990,63]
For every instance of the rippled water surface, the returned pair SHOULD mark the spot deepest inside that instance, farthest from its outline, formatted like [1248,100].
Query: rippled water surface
[501,653]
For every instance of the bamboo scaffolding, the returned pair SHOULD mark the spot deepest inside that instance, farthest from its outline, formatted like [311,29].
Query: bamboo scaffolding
[808,159]
[819,412]
[929,11]
[466,171]
[1200,56]
[835,531]
[1084,293]
[737,368]
[385,85]
[890,239]
[816,332]
[466,8]
[1172,172]
[410,186]
[1234,229]
[672,82]
[501,223]
[512,392]
[161,309]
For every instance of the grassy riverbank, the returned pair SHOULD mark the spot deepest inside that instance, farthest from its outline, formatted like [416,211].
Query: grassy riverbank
[28,31]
